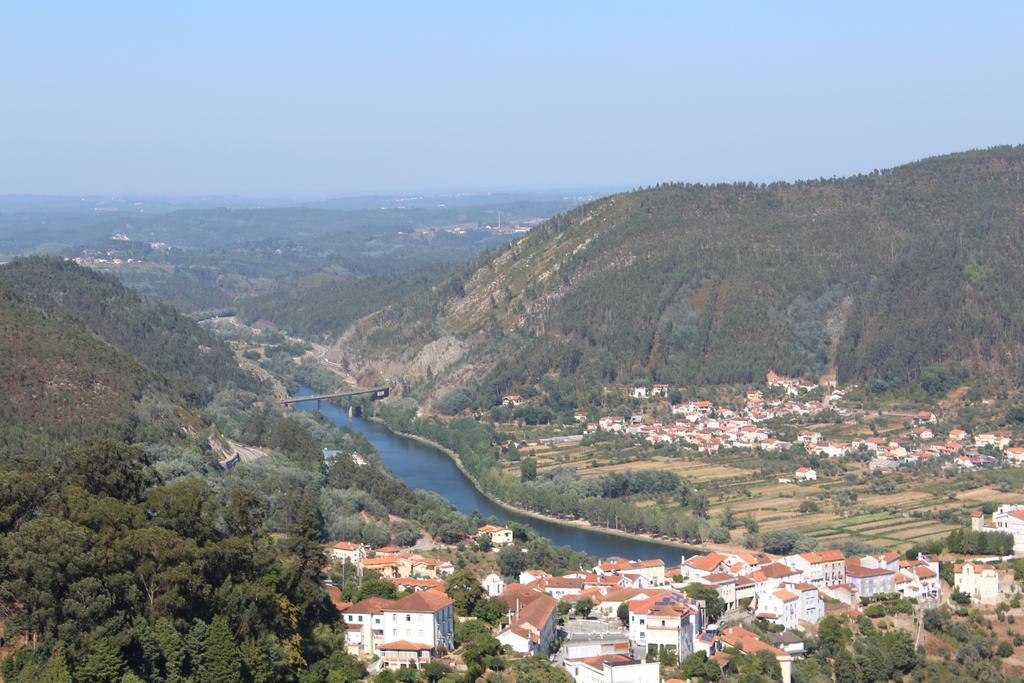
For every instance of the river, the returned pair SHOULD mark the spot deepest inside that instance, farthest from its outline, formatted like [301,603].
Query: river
[423,467]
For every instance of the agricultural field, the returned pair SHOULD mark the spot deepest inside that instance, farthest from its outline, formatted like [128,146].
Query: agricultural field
[846,504]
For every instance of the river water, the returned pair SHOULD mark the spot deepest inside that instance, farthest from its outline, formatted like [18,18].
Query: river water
[423,467]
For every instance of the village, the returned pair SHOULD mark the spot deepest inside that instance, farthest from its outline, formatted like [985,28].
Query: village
[707,428]
[639,620]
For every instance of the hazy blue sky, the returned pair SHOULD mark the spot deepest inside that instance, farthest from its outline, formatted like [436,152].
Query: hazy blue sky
[329,98]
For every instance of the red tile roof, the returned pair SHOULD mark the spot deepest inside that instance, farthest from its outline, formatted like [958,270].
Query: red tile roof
[423,601]
[405,646]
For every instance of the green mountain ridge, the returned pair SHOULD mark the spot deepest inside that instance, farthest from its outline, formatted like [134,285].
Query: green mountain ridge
[894,277]
[79,351]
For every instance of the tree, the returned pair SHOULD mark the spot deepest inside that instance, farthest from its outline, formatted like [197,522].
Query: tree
[470,630]
[104,663]
[714,606]
[622,612]
[785,542]
[56,668]
[465,591]
[528,469]
[583,606]
[845,667]
[490,610]
[694,665]
[434,671]
[511,560]
[476,653]
[900,650]
[221,662]
[833,635]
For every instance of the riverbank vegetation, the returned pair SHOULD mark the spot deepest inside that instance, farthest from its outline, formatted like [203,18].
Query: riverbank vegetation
[560,492]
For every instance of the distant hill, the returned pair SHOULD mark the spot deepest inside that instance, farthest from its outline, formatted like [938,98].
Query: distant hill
[79,347]
[58,376]
[901,276]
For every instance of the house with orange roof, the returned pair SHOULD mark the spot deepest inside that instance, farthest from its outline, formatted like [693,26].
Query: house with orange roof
[1014,455]
[343,551]
[918,579]
[500,536]
[869,581]
[364,626]
[957,434]
[417,627]
[608,604]
[532,620]
[925,417]
[980,581]
[701,565]
[805,474]
[387,567]
[411,585]
[810,608]
[779,607]
[748,643]
[528,576]
[612,668]
[672,621]
[560,587]
[819,568]
[653,571]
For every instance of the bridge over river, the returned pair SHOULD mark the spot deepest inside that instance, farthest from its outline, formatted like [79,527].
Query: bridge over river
[375,394]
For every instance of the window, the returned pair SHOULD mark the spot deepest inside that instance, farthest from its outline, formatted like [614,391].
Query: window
[408,617]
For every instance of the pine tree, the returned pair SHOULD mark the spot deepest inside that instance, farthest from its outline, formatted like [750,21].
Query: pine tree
[104,663]
[221,658]
[172,649]
[56,669]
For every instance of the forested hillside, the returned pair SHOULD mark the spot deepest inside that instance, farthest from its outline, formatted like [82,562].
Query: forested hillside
[154,334]
[56,374]
[321,305]
[895,277]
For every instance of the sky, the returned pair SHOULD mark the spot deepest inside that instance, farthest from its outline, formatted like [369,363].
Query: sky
[335,98]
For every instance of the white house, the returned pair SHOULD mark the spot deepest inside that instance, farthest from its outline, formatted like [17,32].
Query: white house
[364,626]
[779,607]
[528,576]
[417,627]
[533,620]
[613,668]
[819,568]
[805,474]
[980,581]
[499,536]
[343,551]
[870,581]
[671,621]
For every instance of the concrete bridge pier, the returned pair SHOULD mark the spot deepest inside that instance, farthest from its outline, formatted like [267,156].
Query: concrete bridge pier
[350,411]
